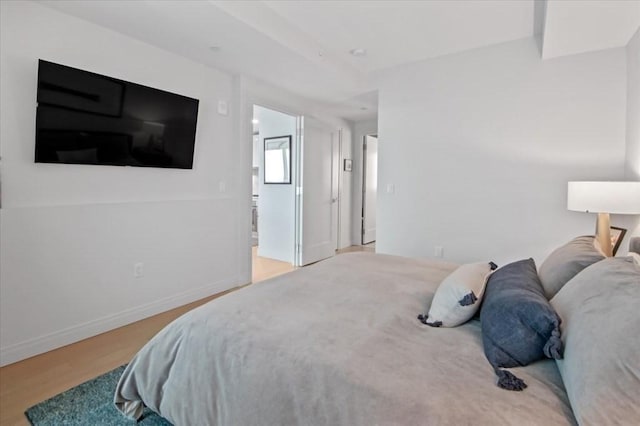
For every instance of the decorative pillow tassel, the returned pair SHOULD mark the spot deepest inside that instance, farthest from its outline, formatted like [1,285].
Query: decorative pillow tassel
[423,319]
[468,299]
[508,381]
[553,348]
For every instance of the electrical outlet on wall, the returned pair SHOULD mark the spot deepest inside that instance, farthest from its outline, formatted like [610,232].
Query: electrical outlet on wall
[138,269]
[438,251]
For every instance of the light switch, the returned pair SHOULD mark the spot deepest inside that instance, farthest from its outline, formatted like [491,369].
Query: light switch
[391,188]
[223,107]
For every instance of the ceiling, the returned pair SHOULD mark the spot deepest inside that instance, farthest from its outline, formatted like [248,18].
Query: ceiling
[304,47]
[398,32]
[577,27]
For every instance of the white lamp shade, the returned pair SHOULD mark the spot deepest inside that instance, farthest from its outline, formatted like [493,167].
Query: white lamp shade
[604,197]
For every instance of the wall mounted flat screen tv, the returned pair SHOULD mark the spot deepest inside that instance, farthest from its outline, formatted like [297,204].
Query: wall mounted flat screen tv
[87,118]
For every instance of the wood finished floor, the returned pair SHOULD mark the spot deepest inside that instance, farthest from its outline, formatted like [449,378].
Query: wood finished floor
[33,380]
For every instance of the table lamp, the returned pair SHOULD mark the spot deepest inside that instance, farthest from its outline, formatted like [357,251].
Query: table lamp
[604,198]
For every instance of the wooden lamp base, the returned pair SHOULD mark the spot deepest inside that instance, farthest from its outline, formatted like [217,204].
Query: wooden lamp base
[603,233]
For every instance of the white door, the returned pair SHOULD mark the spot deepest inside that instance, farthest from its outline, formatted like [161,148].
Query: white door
[369,189]
[318,193]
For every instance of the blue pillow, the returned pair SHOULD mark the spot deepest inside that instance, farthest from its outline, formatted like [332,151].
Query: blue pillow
[519,325]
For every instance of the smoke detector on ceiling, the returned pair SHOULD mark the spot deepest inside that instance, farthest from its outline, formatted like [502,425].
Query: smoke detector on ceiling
[358,52]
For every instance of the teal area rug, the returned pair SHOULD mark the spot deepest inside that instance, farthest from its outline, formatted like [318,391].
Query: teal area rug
[89,404]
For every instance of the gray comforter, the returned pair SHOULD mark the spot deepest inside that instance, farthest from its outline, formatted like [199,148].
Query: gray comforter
[336,343]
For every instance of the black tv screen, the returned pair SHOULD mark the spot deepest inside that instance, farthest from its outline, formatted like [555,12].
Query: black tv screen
[88,118]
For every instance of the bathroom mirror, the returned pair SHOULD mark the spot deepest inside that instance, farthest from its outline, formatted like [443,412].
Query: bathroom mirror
[277,160]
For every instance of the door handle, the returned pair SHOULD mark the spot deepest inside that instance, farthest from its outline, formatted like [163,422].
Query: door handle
[334,200]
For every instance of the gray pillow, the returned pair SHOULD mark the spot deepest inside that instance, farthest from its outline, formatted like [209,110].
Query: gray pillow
[566,261]
[600,311]
[634,245]
[519,326]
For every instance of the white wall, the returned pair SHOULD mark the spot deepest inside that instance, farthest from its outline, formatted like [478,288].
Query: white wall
[276,203]
[480,146]
[360,130]
[70,234]
[632,163]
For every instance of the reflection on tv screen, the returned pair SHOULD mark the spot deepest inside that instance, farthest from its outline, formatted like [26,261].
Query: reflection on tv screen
[87,118]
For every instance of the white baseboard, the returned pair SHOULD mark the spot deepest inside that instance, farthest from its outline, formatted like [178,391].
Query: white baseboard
[57,339]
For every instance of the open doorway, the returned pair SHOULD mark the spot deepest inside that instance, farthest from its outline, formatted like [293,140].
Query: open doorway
[369,188]
[273,192]
[296,194]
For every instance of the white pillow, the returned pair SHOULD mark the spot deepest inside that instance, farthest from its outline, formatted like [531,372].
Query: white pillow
[458,297]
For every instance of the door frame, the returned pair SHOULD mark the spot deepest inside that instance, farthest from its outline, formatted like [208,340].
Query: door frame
[339,183]
[364,184]
[299,166]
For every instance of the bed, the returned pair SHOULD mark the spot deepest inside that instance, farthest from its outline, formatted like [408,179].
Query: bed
[335,343]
